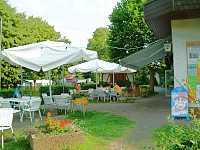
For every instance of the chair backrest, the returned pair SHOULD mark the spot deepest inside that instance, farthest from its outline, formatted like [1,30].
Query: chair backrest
[47,99]
[61,100]
[5,104]
[100,93]
[65,94]
[35,103]
[90,91]
[6,117]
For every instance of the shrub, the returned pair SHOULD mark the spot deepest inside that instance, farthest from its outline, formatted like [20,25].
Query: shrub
[86,86]
[7,93]
[56,89]
[30,91]
[178,137]
[79,95]
[124,83]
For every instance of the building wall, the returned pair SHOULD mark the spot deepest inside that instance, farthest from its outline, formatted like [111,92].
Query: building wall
[183,31]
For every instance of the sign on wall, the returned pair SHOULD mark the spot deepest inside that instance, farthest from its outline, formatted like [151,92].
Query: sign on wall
[193,67]
[179,102]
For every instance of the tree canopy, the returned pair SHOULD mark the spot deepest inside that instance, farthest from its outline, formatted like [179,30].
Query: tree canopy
[98,42]
[128,29]
[19,29]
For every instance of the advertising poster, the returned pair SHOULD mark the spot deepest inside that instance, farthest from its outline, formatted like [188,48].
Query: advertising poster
[179,102]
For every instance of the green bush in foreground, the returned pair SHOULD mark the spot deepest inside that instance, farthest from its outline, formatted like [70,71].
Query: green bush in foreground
[178,137]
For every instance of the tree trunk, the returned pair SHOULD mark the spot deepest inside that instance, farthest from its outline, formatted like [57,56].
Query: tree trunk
[152,78]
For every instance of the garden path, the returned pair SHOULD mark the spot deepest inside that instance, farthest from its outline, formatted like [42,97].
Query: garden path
[148,113]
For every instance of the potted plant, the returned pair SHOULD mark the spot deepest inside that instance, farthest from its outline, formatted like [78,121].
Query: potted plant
[54,134]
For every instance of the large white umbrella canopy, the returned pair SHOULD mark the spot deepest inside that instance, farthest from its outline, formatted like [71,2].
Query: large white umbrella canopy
[100,66]
[46,55]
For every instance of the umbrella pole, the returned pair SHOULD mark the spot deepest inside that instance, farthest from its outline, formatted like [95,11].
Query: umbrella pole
[21,71]
[113,79]
[63,78]
[50,90]
[96,79]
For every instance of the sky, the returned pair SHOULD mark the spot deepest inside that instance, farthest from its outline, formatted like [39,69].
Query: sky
[76,19]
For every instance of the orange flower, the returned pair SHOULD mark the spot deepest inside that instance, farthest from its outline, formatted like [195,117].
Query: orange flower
[64,123]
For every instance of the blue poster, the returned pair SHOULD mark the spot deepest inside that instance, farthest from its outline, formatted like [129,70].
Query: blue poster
[179,102]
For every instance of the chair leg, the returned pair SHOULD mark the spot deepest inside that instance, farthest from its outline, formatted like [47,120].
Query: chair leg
[22,115]
[40,115]
[2,143]
[33,115]
[13,134]
[65,111]
[30,116]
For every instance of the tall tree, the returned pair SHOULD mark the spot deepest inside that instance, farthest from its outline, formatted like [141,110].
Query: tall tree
[128,29]
[18,29]
[98,42]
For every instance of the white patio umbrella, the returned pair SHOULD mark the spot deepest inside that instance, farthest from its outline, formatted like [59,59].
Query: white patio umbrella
[46,55]
[100,66]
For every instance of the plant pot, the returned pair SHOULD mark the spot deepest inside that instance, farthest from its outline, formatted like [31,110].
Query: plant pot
[40,141]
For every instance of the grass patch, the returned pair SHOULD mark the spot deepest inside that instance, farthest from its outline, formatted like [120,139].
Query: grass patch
[90,143]
[101,129]
[99,124]
[10,144]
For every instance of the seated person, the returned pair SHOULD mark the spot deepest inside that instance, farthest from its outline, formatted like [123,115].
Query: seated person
[78,87]
[117,89]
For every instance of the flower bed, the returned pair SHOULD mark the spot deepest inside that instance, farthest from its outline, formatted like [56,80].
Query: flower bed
[55,135]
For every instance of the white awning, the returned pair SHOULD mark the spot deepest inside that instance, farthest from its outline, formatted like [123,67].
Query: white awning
[46,55]
[100,66]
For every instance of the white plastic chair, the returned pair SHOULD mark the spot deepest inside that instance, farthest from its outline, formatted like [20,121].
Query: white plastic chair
[5,104]
[32,107]
[100,93]
[6,118]
[62,102]
[48,102]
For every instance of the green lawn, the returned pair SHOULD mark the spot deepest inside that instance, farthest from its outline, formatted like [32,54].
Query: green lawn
[100,129]
[99,124]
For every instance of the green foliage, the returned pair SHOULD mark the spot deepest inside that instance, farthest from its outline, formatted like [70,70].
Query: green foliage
[178,137]
[128,28]
[7,93]
[86,86]
[18,29]
[65,40]
[56,89]
[124,83]
[140,77]
[104,125]
[99,43]
[30,91]
[78,95]
[11,144]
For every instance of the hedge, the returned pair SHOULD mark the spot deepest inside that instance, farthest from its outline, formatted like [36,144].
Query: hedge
[88,86]
[178,137]
[7,93]
[56,89]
